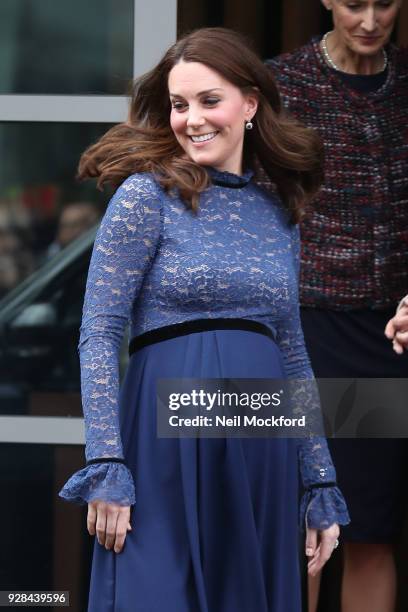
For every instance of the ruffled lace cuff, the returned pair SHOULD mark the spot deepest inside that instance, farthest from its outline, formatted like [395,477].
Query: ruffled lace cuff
[321,507]
[109,482]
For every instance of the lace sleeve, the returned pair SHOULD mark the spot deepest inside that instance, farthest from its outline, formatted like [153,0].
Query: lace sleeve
[322,504]
[123,253]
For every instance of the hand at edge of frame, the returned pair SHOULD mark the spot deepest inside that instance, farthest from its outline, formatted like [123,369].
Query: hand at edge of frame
[110,523]
[397,328]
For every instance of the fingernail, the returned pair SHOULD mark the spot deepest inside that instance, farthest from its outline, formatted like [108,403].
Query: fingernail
[309,552]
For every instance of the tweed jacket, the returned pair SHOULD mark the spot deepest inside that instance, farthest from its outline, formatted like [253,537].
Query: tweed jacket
[355,239]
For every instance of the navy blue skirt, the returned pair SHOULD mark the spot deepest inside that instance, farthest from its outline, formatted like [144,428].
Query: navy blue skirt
[215,524]
[371,474]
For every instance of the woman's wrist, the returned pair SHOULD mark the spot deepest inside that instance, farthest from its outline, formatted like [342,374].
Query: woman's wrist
[105,460]
[321,485]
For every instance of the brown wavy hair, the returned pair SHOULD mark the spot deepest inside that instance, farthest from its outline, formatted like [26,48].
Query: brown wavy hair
[290,155]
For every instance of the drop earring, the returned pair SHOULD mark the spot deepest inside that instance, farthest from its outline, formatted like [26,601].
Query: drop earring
[249,125]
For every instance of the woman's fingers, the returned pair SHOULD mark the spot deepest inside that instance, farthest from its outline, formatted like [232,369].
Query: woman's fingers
[324,551]
[311,542]
[397,330]
[400,342]
[402,336]
[312,564]
[390,329]
[110,523]
[91,519]
[398,348]
[122,527]
[101,523]
[397,325]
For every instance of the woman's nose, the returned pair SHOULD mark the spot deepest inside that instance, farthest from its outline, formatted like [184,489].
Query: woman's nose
[369,23]
[195,118]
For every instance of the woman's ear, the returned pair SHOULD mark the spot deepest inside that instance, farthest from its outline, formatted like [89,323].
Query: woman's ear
[251,105]
[328,4]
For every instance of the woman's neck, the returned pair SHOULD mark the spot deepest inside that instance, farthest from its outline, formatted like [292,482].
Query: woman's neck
[346,60]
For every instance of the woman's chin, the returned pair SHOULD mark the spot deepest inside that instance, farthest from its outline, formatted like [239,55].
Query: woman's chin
[203,158]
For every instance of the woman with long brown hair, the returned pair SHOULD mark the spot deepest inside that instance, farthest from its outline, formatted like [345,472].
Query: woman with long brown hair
[203,263]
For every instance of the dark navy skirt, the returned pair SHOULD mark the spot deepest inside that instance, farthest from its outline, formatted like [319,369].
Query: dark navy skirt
[215,524]
[372,474]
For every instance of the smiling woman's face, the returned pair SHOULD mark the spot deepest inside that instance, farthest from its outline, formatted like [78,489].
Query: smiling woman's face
[363,26]
[208,116]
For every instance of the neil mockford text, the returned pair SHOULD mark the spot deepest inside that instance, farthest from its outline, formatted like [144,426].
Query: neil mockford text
[208,401]
[211,411]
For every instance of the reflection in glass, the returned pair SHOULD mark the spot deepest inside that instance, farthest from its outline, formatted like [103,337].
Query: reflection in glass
[42,206]
[39,333]
[66,47]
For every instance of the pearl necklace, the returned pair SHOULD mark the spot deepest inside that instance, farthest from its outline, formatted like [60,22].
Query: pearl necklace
[331,62]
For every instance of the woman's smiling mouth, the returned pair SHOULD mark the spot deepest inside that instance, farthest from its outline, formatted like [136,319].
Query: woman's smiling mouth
[203,137]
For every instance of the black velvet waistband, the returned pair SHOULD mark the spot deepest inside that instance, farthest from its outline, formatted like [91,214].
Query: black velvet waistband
[198,325]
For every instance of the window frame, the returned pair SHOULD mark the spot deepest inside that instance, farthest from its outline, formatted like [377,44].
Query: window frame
[154,30]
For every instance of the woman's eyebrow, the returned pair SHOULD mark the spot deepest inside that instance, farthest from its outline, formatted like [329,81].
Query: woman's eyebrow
[200,93]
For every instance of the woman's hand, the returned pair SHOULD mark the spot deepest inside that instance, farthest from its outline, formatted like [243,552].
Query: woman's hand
[110,523]
[319,547]
[397,328]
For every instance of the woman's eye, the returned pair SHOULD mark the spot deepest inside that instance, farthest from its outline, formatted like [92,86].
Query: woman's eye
[178,106]
[356,6]
[211,101]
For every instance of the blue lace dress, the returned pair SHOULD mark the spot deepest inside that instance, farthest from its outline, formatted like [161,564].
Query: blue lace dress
[214,522]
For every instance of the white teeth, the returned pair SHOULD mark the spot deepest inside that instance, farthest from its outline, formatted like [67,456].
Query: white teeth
[204,137]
